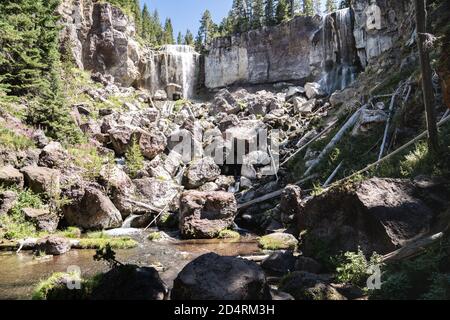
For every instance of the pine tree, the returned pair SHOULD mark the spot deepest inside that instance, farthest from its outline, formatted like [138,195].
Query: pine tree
[270,13]
[239,16]
[258,14]
[189,38]
[206,30]
[30,64]
[157,30]
[136,9]
[179,38]
[331,6]
[308,8]
[344,4]
[168,32]
[317,4]
[146,24]
[282,13]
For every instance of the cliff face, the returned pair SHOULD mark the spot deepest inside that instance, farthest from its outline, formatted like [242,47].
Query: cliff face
[101,38]
[267,55]
[329,49]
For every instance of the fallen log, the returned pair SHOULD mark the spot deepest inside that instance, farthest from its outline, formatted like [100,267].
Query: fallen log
[272,195]
[318,136]
[347,126]
[331,177]
[413,249]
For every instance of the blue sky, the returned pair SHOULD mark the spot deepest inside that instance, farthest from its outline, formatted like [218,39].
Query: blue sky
[186,14]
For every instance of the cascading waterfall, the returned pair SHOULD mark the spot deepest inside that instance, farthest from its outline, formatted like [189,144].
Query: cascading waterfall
[339,51]
[178,64]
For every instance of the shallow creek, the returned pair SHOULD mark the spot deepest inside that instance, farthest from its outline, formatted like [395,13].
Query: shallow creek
[20,273]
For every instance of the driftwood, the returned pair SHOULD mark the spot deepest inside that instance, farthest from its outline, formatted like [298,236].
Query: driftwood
[161,212]
[413,249]
[271,195]
[347,126]
[331,177]
[318,136]
[143,205]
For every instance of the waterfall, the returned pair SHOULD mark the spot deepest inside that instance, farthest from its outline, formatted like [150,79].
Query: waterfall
[339,50]
[177,64]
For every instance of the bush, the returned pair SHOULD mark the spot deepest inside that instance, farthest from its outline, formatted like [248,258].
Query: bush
[134,158]
[354,266]
[14,141]
[14,224]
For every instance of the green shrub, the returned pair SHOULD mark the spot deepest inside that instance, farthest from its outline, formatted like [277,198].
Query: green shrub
[134,158]
[14,224]
[87,157]
[354,267]
[14,141]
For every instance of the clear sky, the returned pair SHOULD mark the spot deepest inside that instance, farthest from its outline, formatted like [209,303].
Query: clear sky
[186,14]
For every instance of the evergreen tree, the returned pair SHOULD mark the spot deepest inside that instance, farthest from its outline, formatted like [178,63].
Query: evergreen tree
[189,38]
[179,38]
[157,30]
[331,6]
[257,14]
[136,9]
[239,16]
[168,32]
[30,64]
[270,13]
[293,7]
[282,13]
[134,160]
[146,24]
[207,28]
[317,4]
[226,26]
[344,4]
[308,8]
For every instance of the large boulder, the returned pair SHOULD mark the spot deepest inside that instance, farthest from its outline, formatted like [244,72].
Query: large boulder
[213,277]
[200,172]
[377,215]
[10,177]
[307,286]
[279,263]
[8,199]
[205,214]
[43,219]
[152,143]
[159,193]
[92,210]
[313,90]
[53,156]
[129,282]
[42,180]
[53,245]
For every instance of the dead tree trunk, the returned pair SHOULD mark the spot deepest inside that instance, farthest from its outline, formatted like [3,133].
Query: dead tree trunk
[427,85]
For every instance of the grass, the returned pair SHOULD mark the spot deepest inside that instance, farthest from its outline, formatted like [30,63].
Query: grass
[87,157]
[14,224]
[115,243]
[228,234]
[45,287]
[14,141]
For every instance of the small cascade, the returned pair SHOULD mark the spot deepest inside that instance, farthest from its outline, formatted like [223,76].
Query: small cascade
[177,64]
[339,51]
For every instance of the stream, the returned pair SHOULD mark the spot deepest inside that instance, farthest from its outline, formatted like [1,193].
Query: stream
[21,272]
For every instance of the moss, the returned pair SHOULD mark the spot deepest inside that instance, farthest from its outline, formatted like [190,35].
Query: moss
[269,242]
[154,236]
[54,286]
[228,234]
[115,243]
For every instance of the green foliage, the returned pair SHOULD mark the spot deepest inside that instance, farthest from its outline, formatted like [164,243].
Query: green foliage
[308,8]
[30,64]
[354,267]
[228,234]
[425,277]
[14,141]
[282,13]
[87,157]
[154,236]
[330,5]
[107,254]
[47,287]
[134,158]
[14,225]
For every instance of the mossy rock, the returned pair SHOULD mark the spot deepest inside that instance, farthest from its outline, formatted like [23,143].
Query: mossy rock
[228,234]
[154,236]
[278,241]
[56,287]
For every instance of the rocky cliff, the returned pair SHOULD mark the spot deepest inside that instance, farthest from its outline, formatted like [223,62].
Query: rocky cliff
[101,38]
[331,49]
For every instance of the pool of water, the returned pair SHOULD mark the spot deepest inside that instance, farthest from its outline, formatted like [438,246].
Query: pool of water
[21,272]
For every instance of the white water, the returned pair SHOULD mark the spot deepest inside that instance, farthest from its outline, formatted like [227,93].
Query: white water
[339,53]
[177,64]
